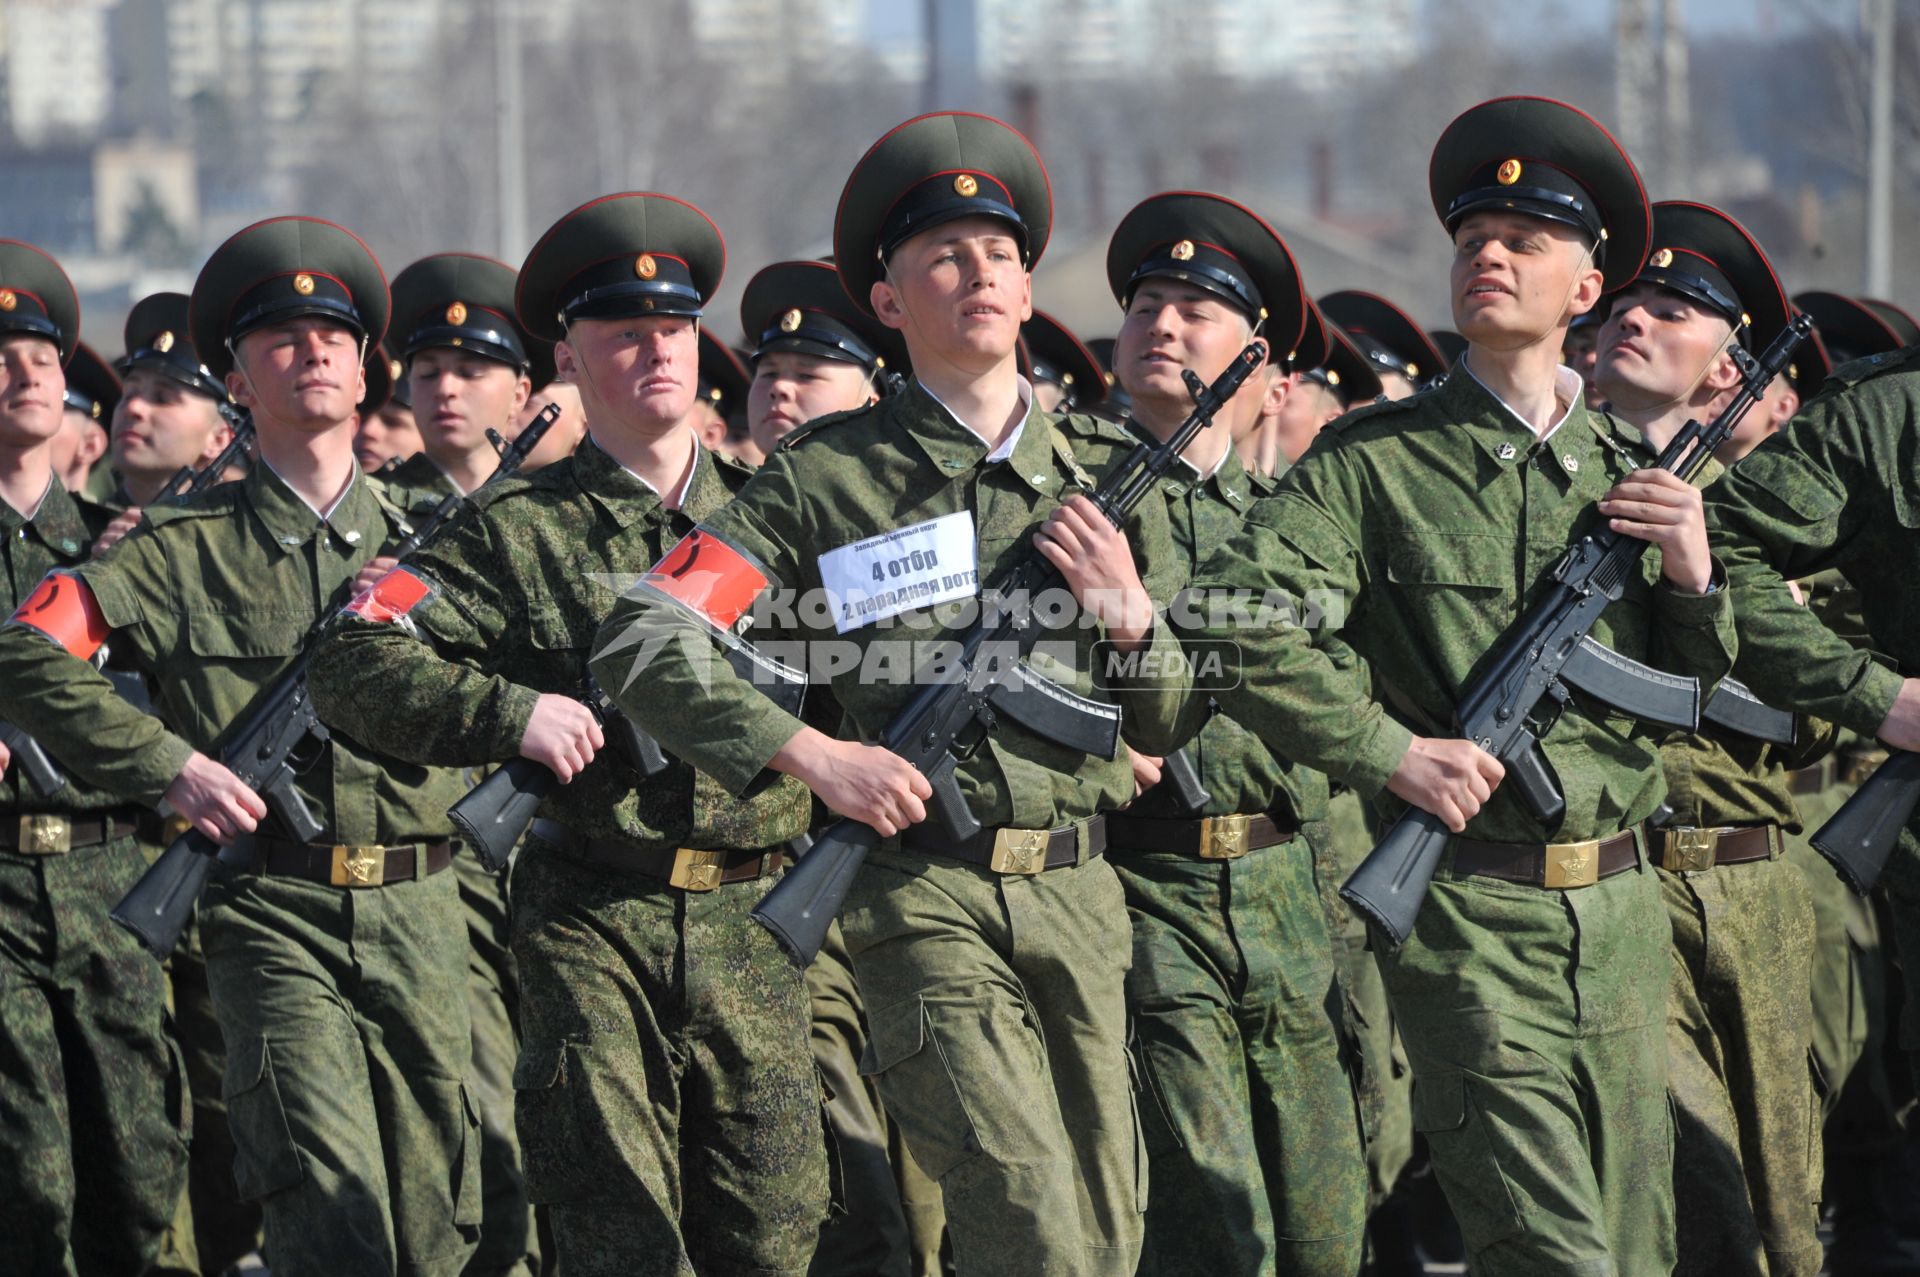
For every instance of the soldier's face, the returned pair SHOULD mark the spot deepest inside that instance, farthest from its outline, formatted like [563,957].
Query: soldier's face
[564,435]
[642,373]
[790,389]
[958,293]
[159,426]
[386,434]
[1659,348]
[1516,279]
[81,442]
[458,396]
[304,374]
[1171,327]
[33,387]
[1299,416]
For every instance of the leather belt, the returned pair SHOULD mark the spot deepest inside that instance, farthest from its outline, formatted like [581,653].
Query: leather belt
[1808,780]
[1016,851]
[1210,837]
[683,867]
[1690,849]
[1560,866]
[52,834]
[337,865]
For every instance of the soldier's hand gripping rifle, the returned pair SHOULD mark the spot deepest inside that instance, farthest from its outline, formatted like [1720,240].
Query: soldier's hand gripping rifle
[948,718]
[274,742]
[188,482]
[1524,687]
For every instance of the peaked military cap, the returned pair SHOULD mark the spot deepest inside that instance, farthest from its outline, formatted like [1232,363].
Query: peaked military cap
[1385,334]
[1850,328]
[1116,402]
[1051,353]
[1327,355]
[1450,343]
[1897,318]
[723,378]
[1548,159]
[158,339]
[92,389]
[396,376]
[800,306]
[1217,245]
[1810,367]
[280,269]
[37,297]
[931,170]
[1708,258]
[621,256]
[459,301]
[382,382]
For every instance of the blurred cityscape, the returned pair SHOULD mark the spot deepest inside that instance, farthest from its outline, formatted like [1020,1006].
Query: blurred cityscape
[136,134]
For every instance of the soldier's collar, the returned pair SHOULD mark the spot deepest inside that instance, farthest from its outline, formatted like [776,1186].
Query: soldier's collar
[954,448]
[354,516]
[57,522]
[625,496]
[1500,432]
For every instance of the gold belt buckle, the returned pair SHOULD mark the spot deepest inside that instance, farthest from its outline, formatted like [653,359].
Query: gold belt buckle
[1224,837]
[359,866]
[1689,851]
[45,835]
[1019,851]
[174,829]
[1573,864]
[697,870]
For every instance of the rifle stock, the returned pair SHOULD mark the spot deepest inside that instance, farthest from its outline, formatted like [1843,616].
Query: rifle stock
[1861,836]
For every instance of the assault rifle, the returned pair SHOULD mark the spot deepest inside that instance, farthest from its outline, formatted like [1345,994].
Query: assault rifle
[1520,694]
[40,771]
[278,739]
[1860,837]
[188,482]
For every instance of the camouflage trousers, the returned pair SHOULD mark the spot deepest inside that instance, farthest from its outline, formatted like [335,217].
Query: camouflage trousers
[93,1107]
[667,1105]
[345,1021]
[887,1217]
[1237,1021]
[997,1010]
[1534,1021]
[509,1245]
[1746,1166]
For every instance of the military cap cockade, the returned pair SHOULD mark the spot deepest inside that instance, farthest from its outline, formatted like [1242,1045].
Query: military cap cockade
[1850,328]
[280,269]
[1327,355]
[624,256]
[37,297]
[799,306]
[458,301]
[1544,158]
[159,339]
[932,170]
[1049,352]
[1385,334]
[1710,259]
[92,389]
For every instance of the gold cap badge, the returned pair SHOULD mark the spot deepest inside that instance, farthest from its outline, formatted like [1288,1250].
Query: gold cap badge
[790,321]
[1183,251]
[1662,258]
[967,185]
[1508,173]
[163,343]
[1066,379]
[1333,378]
[303,284]
[1413,372]
[645,267]
[394,369]
[7,300]
[96,410]
[457,313]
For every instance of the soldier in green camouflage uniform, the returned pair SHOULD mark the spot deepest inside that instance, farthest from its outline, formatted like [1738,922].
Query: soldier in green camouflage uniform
[1740,1026]
[1238,1015]
[1531,992]
[93,1152]
[991,967]
[666,1104]
[335,967]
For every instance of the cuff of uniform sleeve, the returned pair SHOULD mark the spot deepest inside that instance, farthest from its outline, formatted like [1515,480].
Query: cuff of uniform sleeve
[1379,758]
[1699,611]
[516,710]
[1872,701]
[159,766]
[745,756]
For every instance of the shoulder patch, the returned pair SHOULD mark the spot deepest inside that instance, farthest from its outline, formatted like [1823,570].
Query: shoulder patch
[806,430]
[1375,410]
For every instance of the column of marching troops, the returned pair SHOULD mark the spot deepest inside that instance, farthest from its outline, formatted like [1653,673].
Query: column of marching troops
[1108,1033]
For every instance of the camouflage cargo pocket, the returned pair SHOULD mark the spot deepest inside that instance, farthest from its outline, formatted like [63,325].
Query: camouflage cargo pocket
[921,1093]
[1464,1156]
[265,1159]
[554,1142]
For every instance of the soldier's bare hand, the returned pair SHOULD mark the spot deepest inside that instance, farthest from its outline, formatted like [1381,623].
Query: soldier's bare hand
[1665,509]
[1146,771]
[1097,561]
[372,570]
[1451,779]
[217,802]
[1901,727]
[123,523]
[563,735]
[867,783]
[6,756]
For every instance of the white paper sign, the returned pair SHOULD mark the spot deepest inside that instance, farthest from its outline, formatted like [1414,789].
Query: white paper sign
[897,571]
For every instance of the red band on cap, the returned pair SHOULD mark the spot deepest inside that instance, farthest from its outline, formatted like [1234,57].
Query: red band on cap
[708,577]
[63,609]
[390,598]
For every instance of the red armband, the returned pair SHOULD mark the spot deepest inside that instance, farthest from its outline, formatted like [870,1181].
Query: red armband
[708,577]
[63,609]
[391,597]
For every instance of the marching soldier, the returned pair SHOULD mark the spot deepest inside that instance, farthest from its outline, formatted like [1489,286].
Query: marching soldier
[1066,375]
[666,1104]
[1531,994]
[723,388]
[566,432]
[991,967]
[1312,386]
[1402,355]
[386,436]
[336,967]
[92,393]
[1740,1022]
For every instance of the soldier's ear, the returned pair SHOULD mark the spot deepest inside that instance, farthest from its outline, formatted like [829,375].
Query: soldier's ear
[566,364]
[886,304]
